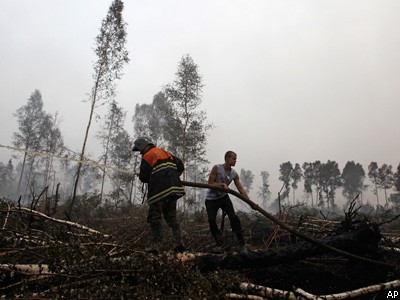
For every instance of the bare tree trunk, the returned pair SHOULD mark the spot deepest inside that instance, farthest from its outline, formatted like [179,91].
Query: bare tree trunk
[312,198]
[103,178]
[106,158]
[78,171]
[376,192]
[20,176]
[56,199]
[387,203]
[29,178]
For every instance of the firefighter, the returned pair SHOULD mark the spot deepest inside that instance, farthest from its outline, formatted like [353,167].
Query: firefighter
[161,171]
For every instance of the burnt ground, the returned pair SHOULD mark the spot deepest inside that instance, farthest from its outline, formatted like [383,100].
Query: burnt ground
[84,265]
[323,276]
[325,273]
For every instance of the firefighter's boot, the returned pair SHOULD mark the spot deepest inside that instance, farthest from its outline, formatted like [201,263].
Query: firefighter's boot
[177,234]
[155,239]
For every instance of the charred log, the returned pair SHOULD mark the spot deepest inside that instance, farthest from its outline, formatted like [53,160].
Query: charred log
[362,241]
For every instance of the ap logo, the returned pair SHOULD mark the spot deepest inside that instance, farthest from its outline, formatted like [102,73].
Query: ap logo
[392,295]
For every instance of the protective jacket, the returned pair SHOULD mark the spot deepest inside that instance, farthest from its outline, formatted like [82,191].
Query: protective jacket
[161,170]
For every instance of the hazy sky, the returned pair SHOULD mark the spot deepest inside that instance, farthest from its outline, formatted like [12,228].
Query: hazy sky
[284,80]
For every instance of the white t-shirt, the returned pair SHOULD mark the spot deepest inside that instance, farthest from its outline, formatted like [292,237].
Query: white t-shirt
[223,176]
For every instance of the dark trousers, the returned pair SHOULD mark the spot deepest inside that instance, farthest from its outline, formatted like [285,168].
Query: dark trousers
[165,208]
[224,203]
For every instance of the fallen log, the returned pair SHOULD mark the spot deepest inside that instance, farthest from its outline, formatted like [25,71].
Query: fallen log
[69,223]
[241,296]
[27,268]
[362,241]
[298,293]
[267,292]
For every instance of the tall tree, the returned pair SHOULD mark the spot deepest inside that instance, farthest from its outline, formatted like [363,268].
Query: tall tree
[386,179]
[329,180]
[121,154]
[296,176]
[373,175]
[113,124]
[353,176]
[264,193]
[309,180]
[30,119]
[7,187]
[197,173]
[52,142]
[397,179]
[187,125]
[153,120]
[395,198]
[162,118]
[285,170]
[111,57]
[247,177]
[316,169]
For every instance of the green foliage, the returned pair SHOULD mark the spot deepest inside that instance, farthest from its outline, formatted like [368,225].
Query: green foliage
[29,117]
[187,125]
[246,178]
[329,180]
[395,199]
[117,151]
[285,170]
[175,122]
[397,178]
[309,178]
[37,131]
[353,179]
[290,176]
[111,53]
[386,179]
[7,178]
[153,119]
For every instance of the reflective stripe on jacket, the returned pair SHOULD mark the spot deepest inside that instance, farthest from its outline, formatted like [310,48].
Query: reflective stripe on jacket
[161,170]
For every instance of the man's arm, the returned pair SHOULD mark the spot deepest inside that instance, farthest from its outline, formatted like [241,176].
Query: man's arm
[145,171]
[240,187]
[179,165]
[213,176]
